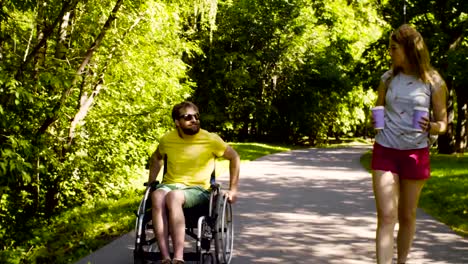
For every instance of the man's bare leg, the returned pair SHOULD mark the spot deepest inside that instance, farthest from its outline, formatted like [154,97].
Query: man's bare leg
[160,224]
[174,202]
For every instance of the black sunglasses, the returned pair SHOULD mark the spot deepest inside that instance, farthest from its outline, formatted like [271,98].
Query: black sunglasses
[188,117]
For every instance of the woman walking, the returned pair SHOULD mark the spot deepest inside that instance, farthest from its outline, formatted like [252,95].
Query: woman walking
[400,160]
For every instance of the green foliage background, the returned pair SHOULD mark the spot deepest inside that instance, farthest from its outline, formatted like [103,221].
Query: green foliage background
[86,87]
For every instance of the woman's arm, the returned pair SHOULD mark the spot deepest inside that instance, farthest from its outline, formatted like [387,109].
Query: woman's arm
[381,92]
[439,107]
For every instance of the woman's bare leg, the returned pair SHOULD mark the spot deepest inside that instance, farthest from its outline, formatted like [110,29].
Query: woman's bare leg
[410,191]
[386,192]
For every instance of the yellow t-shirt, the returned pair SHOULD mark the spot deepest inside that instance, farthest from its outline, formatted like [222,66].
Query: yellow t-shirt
[190,160]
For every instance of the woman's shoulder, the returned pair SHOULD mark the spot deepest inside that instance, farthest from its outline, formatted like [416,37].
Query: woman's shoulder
[435,76]
[436,80]
[386,75]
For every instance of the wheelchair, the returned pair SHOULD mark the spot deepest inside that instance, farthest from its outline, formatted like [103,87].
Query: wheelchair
[211,226]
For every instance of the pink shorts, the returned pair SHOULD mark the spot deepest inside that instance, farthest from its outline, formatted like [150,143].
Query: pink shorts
[412,164]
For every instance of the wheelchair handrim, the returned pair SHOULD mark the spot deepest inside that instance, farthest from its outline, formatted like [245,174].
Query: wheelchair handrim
[227,238]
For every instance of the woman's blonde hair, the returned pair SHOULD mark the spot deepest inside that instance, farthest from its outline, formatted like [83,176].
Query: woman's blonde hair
[415,51]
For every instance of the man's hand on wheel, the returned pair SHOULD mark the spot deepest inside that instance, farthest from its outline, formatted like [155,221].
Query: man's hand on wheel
[231,196]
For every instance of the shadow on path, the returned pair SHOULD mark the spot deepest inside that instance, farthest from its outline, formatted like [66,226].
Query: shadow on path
[311,206]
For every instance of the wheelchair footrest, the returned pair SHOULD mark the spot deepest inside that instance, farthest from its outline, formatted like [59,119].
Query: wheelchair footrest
[154,256]
[191,256]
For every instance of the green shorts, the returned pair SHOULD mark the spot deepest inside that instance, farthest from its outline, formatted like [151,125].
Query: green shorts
[194,195]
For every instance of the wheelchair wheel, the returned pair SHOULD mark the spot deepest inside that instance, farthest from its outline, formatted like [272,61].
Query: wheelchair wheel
[207,258]
[224,232]
[146,245]
[138,260]
[145,242]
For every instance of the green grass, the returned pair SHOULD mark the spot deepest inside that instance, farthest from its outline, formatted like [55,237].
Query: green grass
[343,142]
[249,152]
[445,194]
[76,233]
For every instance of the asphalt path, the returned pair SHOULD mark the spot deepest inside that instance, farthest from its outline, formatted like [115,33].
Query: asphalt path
[311,206]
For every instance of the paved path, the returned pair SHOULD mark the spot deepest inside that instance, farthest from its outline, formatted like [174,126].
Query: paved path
[311,206]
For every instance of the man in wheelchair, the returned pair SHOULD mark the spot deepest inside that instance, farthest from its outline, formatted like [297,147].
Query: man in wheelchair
[190,154]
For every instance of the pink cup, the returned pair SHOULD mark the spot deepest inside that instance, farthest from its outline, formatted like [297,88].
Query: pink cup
[418,113]
[378,116]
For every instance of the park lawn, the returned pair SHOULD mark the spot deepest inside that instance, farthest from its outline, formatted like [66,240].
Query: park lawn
[445,195]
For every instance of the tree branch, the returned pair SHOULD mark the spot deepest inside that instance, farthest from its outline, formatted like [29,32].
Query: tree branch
[80,70]
[46,36]
[85,101]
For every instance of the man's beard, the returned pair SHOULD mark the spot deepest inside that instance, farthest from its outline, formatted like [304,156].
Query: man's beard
[191,130]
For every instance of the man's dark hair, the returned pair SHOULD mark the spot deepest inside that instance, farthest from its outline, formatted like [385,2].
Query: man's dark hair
[183,105]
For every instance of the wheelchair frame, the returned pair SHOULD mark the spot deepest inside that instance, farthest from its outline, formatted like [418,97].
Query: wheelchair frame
[214,225]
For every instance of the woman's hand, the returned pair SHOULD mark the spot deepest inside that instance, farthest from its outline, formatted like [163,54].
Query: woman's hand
[425,123]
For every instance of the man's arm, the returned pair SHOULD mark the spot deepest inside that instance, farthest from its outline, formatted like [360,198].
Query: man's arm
[156,162]
[234,168]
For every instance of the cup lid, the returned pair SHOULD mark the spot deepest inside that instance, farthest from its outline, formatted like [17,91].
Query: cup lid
[421,108]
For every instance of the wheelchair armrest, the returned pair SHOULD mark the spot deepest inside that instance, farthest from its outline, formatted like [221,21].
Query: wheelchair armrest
[151,184]
[215,186]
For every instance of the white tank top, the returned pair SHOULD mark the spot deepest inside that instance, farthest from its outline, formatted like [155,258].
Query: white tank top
[404,92]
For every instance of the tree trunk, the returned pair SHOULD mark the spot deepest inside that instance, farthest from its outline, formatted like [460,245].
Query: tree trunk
[53,191]
[39,61]
[40,55]
[46,34]
[89,54]
[244,132]
[462,124]
[62,47]
[446,142]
